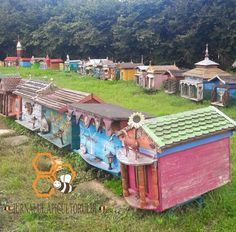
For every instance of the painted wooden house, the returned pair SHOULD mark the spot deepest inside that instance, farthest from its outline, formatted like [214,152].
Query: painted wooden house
[224,91]
[90,67]
[156,75]
[173,159]
[71,65]
[8,100]
[172,83]
[29,111]
[94,131]
[11,61]
[56,122]
[141,75]
[128,70]
[106,70]
[195,86]
[25,62]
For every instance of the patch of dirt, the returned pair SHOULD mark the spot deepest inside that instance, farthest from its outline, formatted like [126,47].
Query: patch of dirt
[2,125]
[98,187]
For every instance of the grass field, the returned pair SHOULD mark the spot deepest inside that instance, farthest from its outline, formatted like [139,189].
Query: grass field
[217,214]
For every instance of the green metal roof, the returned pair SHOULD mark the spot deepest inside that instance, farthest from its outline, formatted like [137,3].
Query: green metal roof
[171,130]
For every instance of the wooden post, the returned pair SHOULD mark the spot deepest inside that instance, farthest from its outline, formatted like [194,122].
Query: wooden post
[124,177]
[154,188]
[141,186]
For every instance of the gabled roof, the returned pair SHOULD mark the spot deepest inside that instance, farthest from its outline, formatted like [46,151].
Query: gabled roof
[32,88]
[205,73]
[9,83]
[142,67]
[162,68]
[11,58]
[108,111]
[60,98]
[225,79]
[130,65]
[172,130]
[175,73]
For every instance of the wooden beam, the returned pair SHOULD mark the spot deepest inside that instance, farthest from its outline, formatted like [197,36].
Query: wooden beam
[154,187]
[141,186]
[124,177]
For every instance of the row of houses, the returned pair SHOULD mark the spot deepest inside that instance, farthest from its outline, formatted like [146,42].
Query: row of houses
[206,81]
[162,161]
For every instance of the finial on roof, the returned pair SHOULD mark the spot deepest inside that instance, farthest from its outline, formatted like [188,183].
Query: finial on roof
[18,43]
[67,57]
[131,61]
[207,52]
[141,59]
[174,63]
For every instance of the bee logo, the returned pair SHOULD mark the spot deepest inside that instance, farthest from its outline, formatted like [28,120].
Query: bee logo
[63,185]
[103,208]
[8,208]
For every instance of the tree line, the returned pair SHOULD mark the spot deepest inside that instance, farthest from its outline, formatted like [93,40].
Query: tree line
[164,31]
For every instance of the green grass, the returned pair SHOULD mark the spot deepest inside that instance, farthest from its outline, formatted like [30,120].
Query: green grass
[217,214]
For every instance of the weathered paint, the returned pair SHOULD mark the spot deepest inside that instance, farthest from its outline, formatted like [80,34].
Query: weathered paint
[98,145]
[127,74]
[187,174]
[57,121]
[26,118]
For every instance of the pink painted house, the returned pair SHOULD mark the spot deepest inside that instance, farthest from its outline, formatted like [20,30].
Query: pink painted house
[156,75]
[170,160]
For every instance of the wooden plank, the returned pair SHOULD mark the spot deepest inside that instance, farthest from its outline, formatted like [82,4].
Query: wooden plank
[186,174]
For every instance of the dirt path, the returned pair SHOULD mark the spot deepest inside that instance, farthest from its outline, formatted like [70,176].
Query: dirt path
[98,187]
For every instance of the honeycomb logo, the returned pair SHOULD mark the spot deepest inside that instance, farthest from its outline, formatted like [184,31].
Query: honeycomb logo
[51,175]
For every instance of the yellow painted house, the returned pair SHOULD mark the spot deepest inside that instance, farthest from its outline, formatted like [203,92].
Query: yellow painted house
[128,70]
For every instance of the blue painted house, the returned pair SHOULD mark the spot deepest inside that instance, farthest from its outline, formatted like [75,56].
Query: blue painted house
[223,90]
[195,85]
[94,133]
[72,65]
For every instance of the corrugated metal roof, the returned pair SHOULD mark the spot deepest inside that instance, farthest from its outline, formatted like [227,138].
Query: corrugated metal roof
[31,88]
[60,98]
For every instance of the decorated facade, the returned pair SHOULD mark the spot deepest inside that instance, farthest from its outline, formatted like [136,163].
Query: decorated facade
[56,121]
[29,111]
[170,160]
[224,90]
[195,86]
[94,132]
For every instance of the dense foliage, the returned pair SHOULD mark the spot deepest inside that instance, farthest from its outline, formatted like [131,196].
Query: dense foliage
[163,31]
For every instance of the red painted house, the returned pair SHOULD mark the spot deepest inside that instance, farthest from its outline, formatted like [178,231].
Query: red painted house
[8,100]
[169,160]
